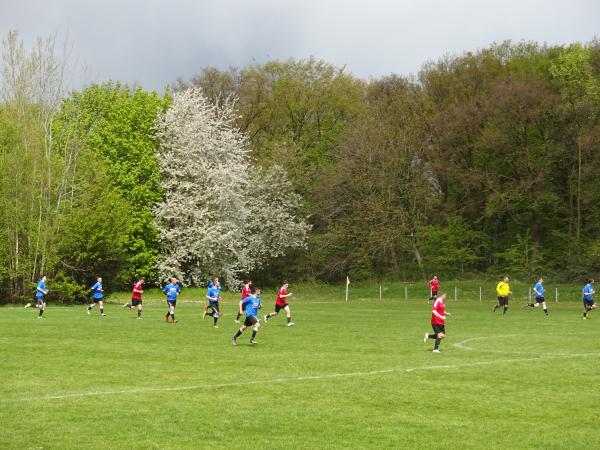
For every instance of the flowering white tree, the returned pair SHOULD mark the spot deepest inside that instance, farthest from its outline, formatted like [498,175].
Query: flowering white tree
[220,215]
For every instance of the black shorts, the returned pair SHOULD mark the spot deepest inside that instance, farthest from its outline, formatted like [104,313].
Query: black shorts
[250,321]
[214,305]
[539,299]
[96,300]
[136,301]
[172,302]
[438,328]
[434,293]
[503,301]
[40,300]
[279,307]
[588,303]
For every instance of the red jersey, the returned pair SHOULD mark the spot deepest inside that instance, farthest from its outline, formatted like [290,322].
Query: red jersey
[137,295]
[434,284]
[281,300]
[440,308]
[245,291]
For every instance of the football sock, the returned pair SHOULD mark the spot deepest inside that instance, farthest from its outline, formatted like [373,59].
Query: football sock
[495,308]
[139,313]
[215,318]
[437,344]
[546,311]
[238,334]
[89,307]
[431,336]
[238,316]
[289,319]
[167,316]
[173,316]
[531,305]
[101,310]
[505,308]
[254,334]
[41,311]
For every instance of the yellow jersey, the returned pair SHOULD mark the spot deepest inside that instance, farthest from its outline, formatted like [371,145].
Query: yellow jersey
[502,289]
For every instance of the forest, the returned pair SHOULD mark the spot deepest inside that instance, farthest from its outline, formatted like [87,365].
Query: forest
[481,164]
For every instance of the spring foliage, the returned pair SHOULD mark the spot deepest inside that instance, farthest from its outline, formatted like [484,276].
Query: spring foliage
[221,215]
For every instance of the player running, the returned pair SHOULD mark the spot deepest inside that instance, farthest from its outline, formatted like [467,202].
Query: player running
[40,296]
[434,287]
[538,292]
[503,291]
[438,321]
[97,296]
[136,297]
[588,298]
[246,289]
[213,294]
[251,306]
[172,291]
[281,303]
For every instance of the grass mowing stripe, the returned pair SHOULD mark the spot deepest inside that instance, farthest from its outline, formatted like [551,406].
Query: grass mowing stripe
[300,378]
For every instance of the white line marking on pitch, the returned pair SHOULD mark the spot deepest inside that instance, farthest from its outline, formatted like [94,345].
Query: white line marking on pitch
[463,346]
[292,379]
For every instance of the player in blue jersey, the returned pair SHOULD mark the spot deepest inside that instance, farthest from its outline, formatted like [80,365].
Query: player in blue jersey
[40,296]
[588,298]
[172,291]
[538,295]
[97,296]
[252,305]
[213,294]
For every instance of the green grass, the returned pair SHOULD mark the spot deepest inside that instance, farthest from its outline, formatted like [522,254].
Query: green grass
[353,375]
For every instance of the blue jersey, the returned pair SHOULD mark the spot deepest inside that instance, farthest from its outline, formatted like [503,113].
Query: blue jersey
[539,290]
[41,285]
[252,305]
[171,290]
[213,292]
[97,288]
[588,292]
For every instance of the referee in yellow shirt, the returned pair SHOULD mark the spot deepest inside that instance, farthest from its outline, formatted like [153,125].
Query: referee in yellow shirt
[503,291]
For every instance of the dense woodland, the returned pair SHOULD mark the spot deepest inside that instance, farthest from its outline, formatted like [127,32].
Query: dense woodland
[482,163]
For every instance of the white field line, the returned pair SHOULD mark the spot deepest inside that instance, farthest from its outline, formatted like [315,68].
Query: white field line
[143,390]
[463,346]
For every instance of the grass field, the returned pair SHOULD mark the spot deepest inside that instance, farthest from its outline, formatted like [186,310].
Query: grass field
[353,375]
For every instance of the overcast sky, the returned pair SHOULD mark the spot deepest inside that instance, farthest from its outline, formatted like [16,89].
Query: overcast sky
[152,42]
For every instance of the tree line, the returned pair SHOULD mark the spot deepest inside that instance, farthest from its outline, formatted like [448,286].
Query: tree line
[483,162]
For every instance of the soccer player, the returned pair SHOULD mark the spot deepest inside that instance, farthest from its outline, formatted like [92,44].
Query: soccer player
[503,291]
[245,293]
[281,303]
[40,296]
[538,291]
[97,296]
[251,307]
[438,321]
[172,291]
[588,298]
[213,293]
[136,297]
[434,287]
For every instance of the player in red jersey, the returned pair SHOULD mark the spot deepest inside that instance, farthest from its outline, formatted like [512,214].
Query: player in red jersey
[438,321]
[434,287]
[245,293]
[136,297]
[281,303]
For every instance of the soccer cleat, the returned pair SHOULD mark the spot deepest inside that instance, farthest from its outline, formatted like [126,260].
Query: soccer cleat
[28,305]
[88,311]
[585,318]
[435,350]
[103,314]
[40,317]
[253,341]
[266,317]
[233,341]
[138,318]
[291,324]
[236,321]
[215,326]
[174,321]
[426,338]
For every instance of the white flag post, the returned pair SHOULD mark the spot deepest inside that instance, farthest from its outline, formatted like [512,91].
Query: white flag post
[347,284]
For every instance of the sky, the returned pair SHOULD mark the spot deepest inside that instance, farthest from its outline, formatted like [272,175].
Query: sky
[153,42]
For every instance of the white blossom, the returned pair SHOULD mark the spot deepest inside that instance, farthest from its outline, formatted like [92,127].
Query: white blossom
[221,215]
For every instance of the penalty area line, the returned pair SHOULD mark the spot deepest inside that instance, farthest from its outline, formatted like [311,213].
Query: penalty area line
[149,390]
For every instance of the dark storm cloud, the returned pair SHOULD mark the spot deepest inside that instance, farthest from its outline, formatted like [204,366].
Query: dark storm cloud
[152,42]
